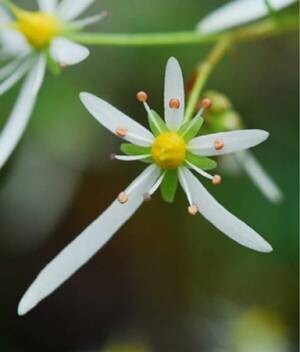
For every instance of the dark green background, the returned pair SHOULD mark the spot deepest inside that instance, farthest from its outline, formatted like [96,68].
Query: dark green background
[166,280]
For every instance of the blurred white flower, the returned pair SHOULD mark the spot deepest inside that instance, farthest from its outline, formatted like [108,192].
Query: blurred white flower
[28,42]
[172,152]
[238,12]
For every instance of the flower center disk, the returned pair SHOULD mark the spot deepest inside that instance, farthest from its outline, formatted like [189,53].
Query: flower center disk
[169,150]
[39,28]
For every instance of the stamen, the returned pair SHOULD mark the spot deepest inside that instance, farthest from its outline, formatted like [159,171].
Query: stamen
[217,179]
[121,132]
[185,187]
[174,104]
[193,209]
[142,96]
[200,171]
[204,104]
[123,198]
[219,144]
[135,138]
[112,156]
[151,116]
[130,157]
[156,185]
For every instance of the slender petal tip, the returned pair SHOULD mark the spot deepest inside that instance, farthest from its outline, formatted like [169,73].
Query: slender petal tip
[27,302]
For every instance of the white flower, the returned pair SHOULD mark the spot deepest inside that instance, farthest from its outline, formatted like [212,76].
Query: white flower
[238,12]
[28,41]
[173,153]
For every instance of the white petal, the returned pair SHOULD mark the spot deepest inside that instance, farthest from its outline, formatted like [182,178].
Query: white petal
[87,244]
[233,141]
[238,12]
[15,77]
[66,52]
[112,119]
[259,176]
[87,21]
[4,16]
[9,68]
[174,89]
[47,5]
[222,219]
[17,122]
[13,42]
[70,9]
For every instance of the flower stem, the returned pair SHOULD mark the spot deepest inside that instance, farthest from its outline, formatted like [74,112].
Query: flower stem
[202,73]
[263,29]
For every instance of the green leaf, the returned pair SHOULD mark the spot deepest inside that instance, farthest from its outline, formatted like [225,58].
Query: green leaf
[169,185]
[200,161]
[132,149]
[190,129]
[159,126]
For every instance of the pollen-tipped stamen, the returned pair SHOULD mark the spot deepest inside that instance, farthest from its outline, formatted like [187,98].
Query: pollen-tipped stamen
[219,144]
[193,209]
[143,97]
[217,180]
[199,171]
[204,105]
[123,198]
[174,103]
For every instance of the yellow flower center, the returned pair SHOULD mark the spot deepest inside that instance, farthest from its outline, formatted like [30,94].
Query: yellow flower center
[39,28]
[168,150]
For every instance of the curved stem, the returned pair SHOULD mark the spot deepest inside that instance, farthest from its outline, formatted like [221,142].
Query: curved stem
[202,73]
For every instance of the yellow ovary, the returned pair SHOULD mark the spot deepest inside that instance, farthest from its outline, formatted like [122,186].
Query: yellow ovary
[39,28]
[168,150]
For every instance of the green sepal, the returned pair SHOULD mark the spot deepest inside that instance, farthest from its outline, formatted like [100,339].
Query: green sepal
[190,129]
[169,185]
[200,161]
[53,65]
[161,126]
[133,149]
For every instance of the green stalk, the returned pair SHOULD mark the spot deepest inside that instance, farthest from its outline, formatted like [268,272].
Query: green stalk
[263,29]
[202,73]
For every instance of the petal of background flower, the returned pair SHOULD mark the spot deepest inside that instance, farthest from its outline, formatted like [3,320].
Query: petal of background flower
[233,141]
[238,12]
[69,9]
[174,89]
[112,118]
[47,5]
[67,52]
[221,218]
[17,122]
[259,176]
[88,243]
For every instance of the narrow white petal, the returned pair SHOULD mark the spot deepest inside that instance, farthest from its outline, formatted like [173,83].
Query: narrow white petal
[174,89]
[222,219]
[66,52]
[84,22]
[87,244]
[47,5]
[70,9]
[11,67]
[17,122]
[238,12]
[13,42]
[259,176]
[233,141]
[112,119]
[15,77]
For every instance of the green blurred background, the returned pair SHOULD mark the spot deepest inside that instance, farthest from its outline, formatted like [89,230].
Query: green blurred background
[166,281]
